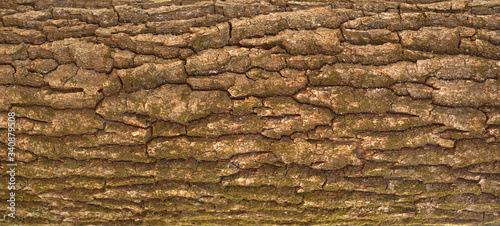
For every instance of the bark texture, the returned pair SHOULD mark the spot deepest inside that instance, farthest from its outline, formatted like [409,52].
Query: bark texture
[237,112]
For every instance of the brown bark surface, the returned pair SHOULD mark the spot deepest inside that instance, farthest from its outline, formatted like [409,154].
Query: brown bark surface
[240,112]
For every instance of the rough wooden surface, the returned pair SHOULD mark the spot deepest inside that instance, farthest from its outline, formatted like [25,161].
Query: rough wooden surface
[240,112]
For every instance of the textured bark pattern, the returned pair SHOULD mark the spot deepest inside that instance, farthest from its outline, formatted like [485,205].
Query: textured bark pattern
[253,112]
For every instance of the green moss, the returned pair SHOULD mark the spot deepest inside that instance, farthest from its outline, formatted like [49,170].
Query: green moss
[17,49]
[329,76]
[281,25]
[202,42]
[421,20]
[30,98]
[162,128]
[408,187]
[246,106]
[238,64]
[108,53]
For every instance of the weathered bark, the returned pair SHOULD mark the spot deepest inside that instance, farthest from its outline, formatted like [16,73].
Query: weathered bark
[242,112]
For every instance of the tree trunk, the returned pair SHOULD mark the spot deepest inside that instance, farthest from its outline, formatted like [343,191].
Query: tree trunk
[241,112]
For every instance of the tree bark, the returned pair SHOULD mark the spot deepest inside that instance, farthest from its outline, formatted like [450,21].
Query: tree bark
[238,112]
